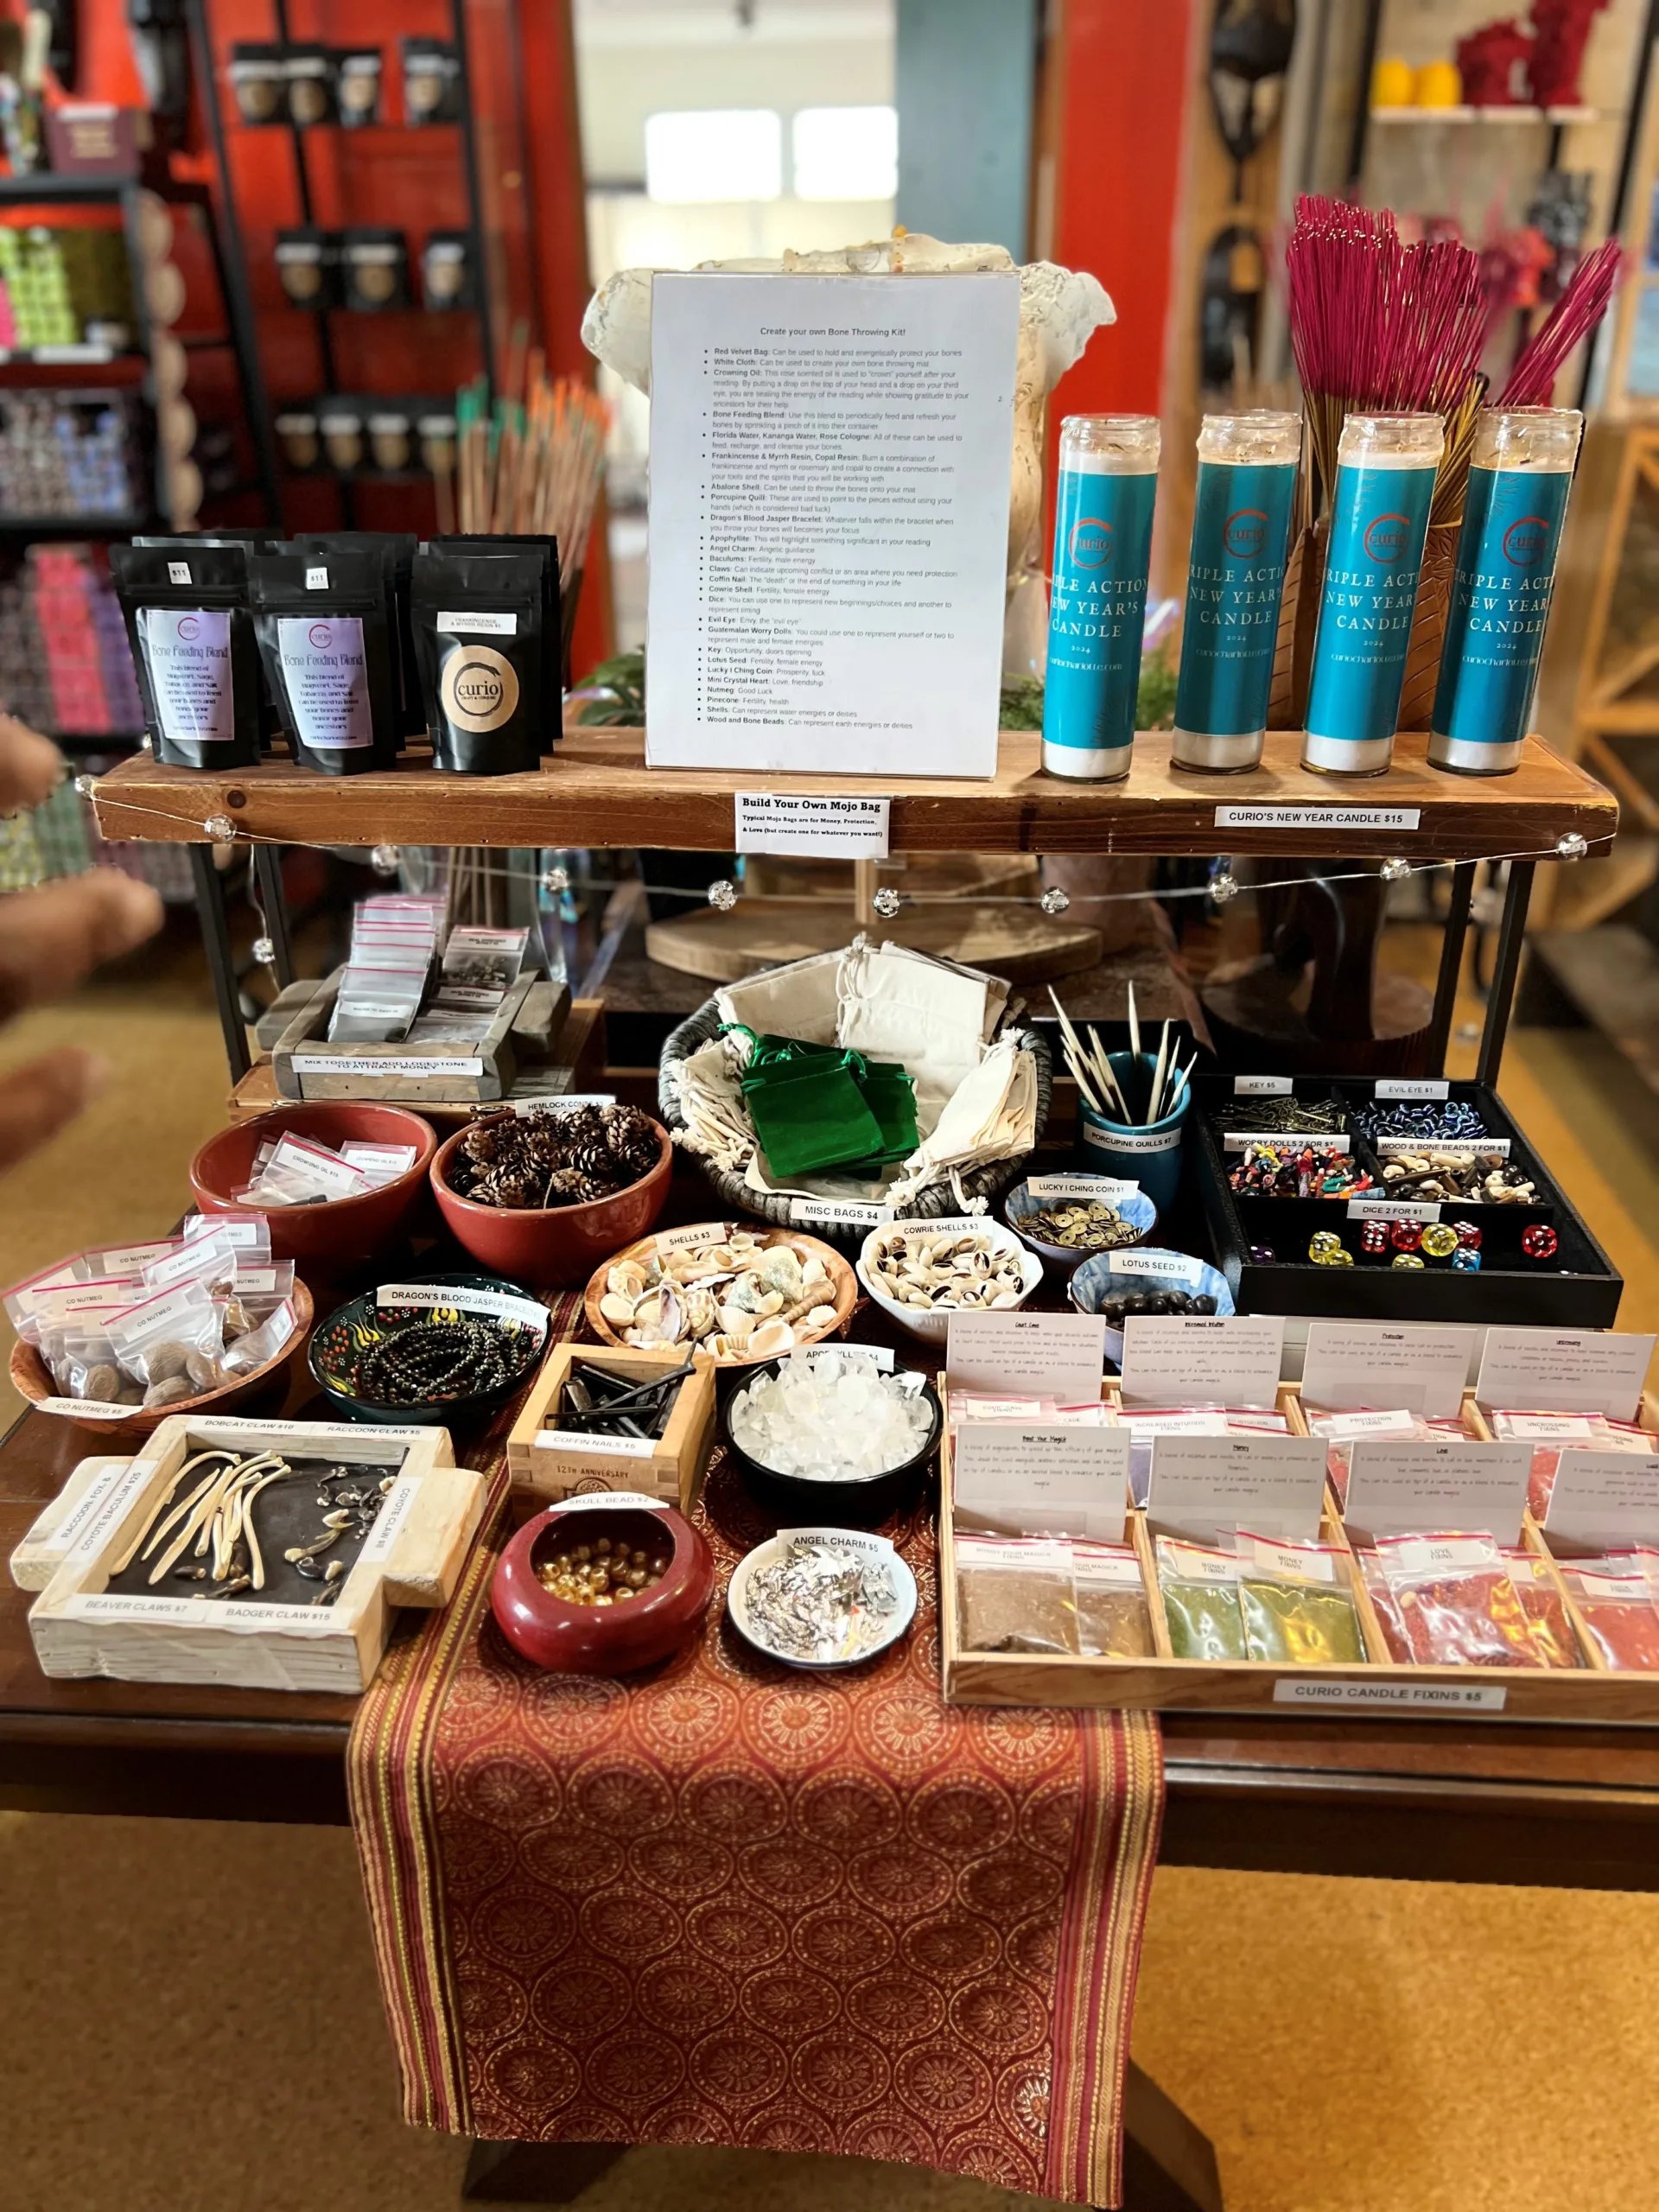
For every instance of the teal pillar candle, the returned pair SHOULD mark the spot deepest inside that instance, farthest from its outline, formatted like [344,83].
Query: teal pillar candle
[1380,504]
[1098,594]
[1234,580]
[1520,473]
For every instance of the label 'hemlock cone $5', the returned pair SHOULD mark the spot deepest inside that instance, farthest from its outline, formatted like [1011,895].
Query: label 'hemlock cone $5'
[194,650]
[478,620]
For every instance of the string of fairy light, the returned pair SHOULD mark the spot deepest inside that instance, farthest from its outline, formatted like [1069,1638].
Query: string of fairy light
[887,901]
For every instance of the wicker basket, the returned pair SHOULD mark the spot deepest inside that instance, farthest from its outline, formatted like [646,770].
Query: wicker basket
[989,1183]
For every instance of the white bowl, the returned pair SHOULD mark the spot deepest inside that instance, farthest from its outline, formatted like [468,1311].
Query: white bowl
[933,1326]
[854,1541]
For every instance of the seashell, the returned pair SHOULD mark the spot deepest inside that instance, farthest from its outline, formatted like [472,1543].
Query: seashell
[671,1314]
[701,1312]
[771,1338]
[615,1306]
[627,1280]
[818,1317]
[813,1270]
[721,1347]
[771,1303]
[1006,1298]
[745,1295]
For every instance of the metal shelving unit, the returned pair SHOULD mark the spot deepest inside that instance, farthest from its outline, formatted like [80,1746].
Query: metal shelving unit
[299,134]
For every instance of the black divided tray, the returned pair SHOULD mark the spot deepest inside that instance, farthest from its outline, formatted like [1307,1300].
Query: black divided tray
[1578,1288]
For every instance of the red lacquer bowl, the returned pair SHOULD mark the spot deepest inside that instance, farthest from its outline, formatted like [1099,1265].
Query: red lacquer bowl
[552,1245]
[344,1231]
[603,1639]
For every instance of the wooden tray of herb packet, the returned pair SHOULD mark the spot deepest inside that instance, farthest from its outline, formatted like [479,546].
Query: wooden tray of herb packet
[1591,1692]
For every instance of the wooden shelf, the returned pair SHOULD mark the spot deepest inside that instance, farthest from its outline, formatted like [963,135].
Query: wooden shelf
[596,791]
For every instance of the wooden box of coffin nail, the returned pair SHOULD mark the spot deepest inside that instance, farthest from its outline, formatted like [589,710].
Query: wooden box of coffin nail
[546,1463]
[266,1554]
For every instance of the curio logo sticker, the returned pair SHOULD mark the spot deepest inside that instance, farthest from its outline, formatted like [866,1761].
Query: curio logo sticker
[189,628]
[1386,537]
[1244,532]
[479,689]
[320,636]
[1091,541]
[1525,541]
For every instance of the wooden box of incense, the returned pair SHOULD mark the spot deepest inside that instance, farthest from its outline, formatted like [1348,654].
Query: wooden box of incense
[266,1554]
[1568,1674]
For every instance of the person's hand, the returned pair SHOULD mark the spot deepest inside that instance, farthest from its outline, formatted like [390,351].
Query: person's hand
[49,940]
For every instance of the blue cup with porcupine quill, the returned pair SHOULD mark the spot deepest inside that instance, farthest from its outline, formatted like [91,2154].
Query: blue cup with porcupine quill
[1147,1153]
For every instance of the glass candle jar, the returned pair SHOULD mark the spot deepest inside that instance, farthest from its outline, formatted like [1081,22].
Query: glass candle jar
[1386,466]
[1097,604]
[1234,580]
[1520,473]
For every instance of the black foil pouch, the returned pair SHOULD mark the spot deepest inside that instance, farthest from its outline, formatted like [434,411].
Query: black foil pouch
[357,74]
[431,80]
[396,550]
[325,629]
[307,265]
[310,85]
[552,655]
[479,639]
[374,268]
[259,82]
[194,649]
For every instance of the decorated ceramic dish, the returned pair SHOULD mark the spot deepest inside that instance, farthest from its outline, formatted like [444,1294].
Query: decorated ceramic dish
[466,1351]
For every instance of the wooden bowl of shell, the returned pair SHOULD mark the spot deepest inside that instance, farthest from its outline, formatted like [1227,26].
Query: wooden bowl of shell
[32,1379]
[737,1293]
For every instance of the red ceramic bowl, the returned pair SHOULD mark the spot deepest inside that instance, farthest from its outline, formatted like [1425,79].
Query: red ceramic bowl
[323,1238]
[602,1639]
[553,1244]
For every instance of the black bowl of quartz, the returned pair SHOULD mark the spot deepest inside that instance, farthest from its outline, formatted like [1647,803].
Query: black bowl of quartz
[829,1435]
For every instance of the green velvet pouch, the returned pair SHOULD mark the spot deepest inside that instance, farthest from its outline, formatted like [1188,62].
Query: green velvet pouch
[809,1117]
[891,1096]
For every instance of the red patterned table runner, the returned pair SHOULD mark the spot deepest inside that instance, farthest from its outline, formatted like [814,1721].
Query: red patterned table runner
[728,1902]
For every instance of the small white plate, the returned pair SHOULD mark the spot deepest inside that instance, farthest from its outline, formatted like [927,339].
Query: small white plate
[856,1543]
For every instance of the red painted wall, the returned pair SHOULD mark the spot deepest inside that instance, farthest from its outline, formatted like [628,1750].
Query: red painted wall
[1120,78]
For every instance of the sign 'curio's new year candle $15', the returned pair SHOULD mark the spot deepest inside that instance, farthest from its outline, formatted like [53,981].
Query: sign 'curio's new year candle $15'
[1234,577]
[1102,554]
[1379,520]
[1520,472]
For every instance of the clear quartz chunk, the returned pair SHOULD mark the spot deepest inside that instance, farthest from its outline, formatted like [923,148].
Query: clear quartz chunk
[833,1417]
